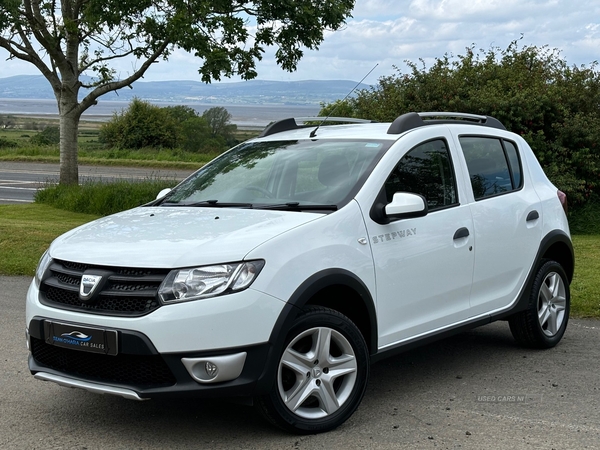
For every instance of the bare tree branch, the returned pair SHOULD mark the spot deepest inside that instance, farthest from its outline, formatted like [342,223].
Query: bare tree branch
[38,27]
[91,98]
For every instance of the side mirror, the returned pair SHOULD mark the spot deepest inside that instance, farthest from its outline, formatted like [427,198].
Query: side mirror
[406,205]
[162,193]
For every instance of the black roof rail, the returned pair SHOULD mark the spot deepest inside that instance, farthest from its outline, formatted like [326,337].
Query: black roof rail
[294,123]
[412,120]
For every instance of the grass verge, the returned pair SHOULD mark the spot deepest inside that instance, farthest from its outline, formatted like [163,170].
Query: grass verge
[26,231]
[100,197]
[585,288]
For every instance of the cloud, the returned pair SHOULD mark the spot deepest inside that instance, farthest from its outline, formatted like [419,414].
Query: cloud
[488,11]
[389,32]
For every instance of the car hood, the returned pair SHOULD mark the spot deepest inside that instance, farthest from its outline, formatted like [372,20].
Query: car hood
[170,237]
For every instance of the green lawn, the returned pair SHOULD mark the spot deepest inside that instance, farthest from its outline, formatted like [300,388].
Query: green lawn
[585,288]
[27,230]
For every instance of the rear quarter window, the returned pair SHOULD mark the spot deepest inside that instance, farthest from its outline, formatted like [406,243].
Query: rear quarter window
[494,165]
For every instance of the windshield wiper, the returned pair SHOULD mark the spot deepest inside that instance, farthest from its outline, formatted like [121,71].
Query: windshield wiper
[297,206]
[211,204]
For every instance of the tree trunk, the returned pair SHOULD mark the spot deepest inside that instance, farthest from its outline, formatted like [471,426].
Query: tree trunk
[69,126]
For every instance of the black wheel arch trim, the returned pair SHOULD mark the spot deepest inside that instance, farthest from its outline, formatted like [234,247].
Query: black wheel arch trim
[551,239]
[559,236]
[300,298]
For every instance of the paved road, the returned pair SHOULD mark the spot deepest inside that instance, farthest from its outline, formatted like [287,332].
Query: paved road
[463,392]
[19,181]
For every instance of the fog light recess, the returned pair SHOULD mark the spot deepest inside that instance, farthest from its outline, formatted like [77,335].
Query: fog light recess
[216,368]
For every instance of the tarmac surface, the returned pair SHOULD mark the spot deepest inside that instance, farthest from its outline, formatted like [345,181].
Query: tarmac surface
[477,390]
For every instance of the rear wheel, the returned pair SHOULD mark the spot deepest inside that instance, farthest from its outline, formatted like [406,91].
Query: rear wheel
[321,376]
[543,323]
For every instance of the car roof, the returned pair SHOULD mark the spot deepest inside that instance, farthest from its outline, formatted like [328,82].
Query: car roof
[311,127]
[356,131]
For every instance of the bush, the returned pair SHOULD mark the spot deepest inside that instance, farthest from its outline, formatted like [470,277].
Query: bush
[145,125]
[102,198]
[586,218]
[48,136]
[7,143]
[532,91]
[141,125]
[194,132]
[32,125]
[181,113]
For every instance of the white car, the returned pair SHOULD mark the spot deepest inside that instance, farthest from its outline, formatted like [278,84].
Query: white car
[285,267]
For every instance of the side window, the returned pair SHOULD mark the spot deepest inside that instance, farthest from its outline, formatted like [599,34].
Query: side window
[493,164]
[426,170]
[515,164]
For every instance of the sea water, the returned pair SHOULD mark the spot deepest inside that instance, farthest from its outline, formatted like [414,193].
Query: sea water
[258,115]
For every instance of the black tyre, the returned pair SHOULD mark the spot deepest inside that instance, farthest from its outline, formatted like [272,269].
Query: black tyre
[321,375]
[543,323]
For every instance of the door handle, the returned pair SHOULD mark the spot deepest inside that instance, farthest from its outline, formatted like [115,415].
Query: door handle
[533,215]
[461,233]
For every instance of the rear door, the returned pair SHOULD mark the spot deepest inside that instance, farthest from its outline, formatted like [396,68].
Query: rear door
[506,217]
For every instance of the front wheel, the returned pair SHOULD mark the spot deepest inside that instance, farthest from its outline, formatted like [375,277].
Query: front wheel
[543,323]
[321,375]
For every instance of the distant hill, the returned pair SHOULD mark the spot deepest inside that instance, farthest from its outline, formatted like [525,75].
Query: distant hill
[309,92]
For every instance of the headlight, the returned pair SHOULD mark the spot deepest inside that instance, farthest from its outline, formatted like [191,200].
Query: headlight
[209,281]
[45,261]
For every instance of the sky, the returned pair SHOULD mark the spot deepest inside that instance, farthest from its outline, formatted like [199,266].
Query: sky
[389,32]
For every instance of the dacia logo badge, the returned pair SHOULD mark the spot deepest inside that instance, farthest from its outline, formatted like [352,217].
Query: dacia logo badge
[88,285]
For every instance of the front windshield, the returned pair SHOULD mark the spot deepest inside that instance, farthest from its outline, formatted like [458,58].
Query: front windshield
[291,173]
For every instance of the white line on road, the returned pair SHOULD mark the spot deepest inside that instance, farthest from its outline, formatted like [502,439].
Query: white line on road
[18,188]
[19,181]
[15,200]
[33,172]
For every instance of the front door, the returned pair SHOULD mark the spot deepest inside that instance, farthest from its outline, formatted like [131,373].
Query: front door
[424,265]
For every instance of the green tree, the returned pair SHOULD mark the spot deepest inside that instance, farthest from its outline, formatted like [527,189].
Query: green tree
[196,136]
[145,125]
[190,128]
[531,90]
[67,39]
[181,113]
[219,122]
[48,136]
[141,125]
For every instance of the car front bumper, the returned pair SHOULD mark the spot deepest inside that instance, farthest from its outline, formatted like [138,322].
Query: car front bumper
[213,347]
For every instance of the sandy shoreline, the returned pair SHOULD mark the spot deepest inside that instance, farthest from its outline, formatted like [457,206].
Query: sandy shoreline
[84,117]
[99,118]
